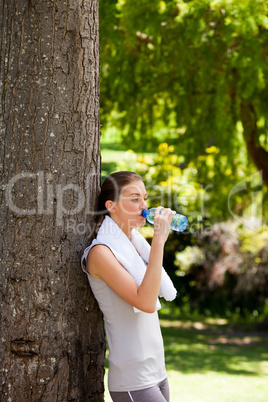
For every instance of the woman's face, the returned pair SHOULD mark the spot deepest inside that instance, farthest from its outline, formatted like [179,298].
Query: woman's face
[127,210]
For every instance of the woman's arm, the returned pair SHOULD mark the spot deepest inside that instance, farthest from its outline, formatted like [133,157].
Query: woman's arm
[102,264]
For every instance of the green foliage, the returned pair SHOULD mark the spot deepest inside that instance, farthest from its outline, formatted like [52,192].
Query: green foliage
[225,272]
[182,69]
[193,190]
[175,78]
[253,241]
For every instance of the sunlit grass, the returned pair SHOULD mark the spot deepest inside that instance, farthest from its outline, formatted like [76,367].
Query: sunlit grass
[113,152]
[209,362]
[215,365]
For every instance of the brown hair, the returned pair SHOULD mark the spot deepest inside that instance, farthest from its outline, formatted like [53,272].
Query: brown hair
[110,190]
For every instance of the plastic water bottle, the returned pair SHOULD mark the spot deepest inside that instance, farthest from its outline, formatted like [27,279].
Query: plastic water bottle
[178,223]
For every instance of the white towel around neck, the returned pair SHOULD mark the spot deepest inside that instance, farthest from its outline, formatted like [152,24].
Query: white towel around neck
[132,253]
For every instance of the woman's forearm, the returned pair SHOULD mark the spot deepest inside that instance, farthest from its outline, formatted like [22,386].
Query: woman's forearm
[148,290]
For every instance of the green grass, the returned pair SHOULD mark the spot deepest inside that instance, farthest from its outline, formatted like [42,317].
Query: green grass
[112,152]
[212,361]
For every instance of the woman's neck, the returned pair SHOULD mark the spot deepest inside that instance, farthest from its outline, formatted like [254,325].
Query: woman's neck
[124,226]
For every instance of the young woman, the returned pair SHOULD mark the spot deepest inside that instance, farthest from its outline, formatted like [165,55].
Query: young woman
[126,277]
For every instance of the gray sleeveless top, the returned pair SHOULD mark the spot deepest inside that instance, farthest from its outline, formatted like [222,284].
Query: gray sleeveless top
[136,352]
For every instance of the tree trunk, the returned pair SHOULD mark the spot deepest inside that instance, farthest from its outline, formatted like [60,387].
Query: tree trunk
[258,155]
[52,339]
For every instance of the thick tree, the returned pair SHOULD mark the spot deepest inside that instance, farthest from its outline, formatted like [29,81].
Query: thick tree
[52,340]
[195,71]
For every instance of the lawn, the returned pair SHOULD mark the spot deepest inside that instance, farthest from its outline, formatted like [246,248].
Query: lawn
[212,361]
[112,152]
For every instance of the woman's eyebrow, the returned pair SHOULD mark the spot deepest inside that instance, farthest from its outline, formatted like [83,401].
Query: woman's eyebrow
[137,194]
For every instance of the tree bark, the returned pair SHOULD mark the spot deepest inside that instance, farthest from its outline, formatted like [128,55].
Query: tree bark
[52,339]
[258,155]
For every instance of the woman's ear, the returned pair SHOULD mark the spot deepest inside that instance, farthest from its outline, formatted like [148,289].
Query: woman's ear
[110,206]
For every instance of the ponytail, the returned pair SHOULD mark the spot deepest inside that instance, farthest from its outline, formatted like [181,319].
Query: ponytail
[99,218]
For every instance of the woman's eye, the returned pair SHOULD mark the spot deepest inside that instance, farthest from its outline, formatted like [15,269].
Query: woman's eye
[138,199]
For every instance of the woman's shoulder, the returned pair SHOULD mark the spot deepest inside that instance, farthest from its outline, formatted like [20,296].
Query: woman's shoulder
[98,254]
[98,250]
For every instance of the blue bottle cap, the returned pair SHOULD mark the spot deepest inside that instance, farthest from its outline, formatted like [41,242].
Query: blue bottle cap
[145,212]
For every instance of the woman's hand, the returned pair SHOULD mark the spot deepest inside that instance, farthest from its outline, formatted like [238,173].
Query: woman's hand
[162,222]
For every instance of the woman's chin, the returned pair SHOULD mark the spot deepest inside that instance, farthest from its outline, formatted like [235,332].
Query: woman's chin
[142,222]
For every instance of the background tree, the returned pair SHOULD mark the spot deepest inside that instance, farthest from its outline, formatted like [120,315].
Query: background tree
[191,72]
[52,342]
[187,81]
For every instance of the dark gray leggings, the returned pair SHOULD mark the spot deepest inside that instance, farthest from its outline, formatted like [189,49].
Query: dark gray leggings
[158,393]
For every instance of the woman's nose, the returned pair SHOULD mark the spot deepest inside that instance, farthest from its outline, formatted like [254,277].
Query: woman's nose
[144,205]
